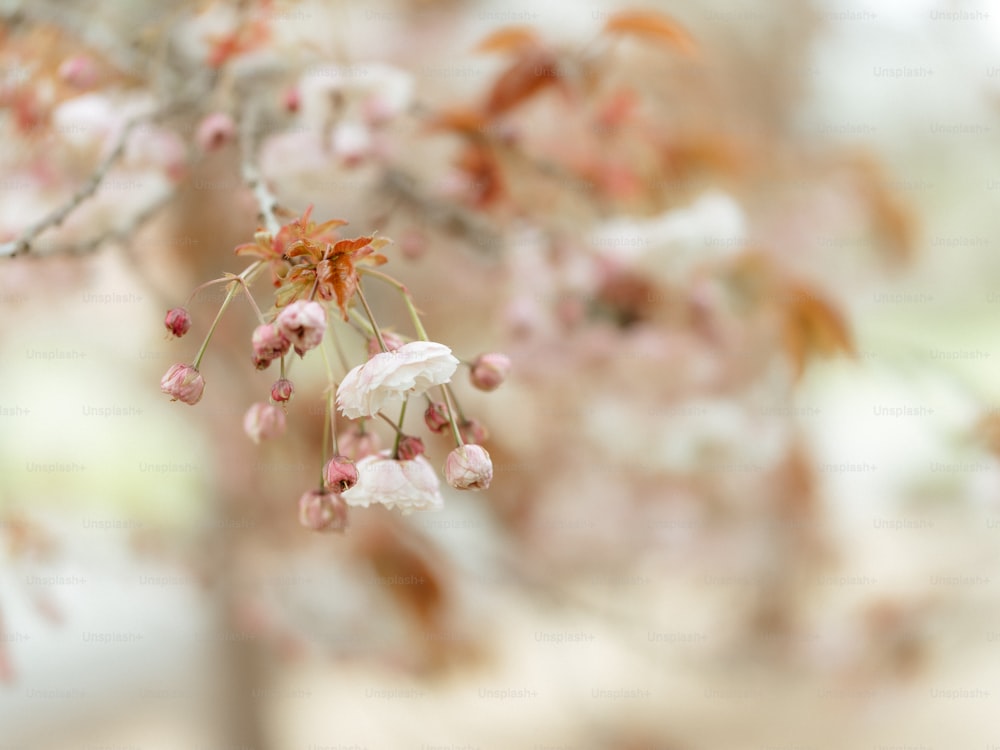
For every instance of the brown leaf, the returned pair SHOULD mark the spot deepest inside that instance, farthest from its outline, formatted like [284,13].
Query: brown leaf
[813,326]
[460,120]
[509,39]
[530,74]
[652,25]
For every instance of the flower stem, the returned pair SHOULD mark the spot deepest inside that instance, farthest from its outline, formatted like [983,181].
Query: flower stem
[451,417]
[399,431]
[247,274]
[414,315]
[371,319]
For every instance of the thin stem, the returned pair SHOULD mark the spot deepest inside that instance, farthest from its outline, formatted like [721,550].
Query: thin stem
[56,217]
[414,315]
[451,417]
[388,421]
[399,430]
[326,443]
[371,319]
[331,413]
[247,274]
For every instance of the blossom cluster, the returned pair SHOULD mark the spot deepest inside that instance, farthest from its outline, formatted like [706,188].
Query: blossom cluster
[314,274]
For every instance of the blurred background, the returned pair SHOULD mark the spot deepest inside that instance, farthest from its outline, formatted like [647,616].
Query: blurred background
[743,258]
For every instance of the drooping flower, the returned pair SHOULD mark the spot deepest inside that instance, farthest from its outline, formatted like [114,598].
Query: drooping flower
[264,422]
[410,447]
[183,383]
[388,378]
[268,343]
[406,485]
[356,443]
[469,467]
[215,131]
[340,473]
[321,510]
[282,390]
[436,417]
[303,324]
[177,321]
[489,371]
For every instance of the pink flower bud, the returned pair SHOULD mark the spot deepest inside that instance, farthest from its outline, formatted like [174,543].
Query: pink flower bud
[469,468]
[473,431]
[413,244]
[178,321]
[356,444]
[436,417]
[322,511]
[268,343]
[264,422]
[282,390]
[291,100]
[183,383]
[410,447]
[215,131]
[303,324]
[340,473]
[489,371]
[79,71]
[392,343]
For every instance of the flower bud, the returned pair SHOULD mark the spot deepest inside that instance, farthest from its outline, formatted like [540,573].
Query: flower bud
[268,343]
[340,473]
[473,431]
[291,100]
[410,447]
[215,131]
[79,71]
[178,321]
[469,468]
[489,371]
[355,444]
[282,390]
[436,417]
[322,511]
[183,383]
[392,343]
[264,422]
[303,324]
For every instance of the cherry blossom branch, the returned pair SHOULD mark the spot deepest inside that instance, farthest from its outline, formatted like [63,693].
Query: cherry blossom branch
[411,308]
[23,244]
[266,200]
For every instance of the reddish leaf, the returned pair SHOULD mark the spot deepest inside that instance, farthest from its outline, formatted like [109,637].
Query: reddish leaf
[509,39]
[813,326]
[652,25]
[526,77]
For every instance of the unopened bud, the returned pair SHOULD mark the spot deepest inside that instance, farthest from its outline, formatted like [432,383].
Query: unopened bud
[436,417]
[215,131]
[340,473]
[178,321]
[322,511]
[469,467]
[264,422]
[410,447]
[282,390]
[489,371]
[183,383]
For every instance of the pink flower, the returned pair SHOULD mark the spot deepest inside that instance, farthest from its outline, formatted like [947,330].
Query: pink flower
[392,343]
[340,473]
[469,468]
[215,131]
[178,321]
[322,511]
[79,71]
[355,444]
[473,431]
[183,383]
[303,324]
[268,343]
[407,485]
[282,390]
[264,422]
[388,378]
[410,447]
[489,371]
[436,417]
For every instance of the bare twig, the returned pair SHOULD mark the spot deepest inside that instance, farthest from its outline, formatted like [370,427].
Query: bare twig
[266,200]
[23,244]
